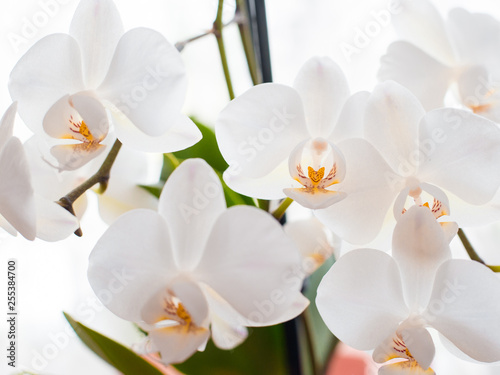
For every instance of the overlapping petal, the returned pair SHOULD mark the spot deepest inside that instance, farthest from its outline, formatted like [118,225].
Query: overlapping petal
[361,291]
[323,89]
[97,27]
[465,306]
[146,80]
[257,258]
[258,130]
[191,216]
[131,262]
[458,148]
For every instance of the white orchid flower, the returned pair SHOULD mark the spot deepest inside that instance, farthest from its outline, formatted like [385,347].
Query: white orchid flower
[445,159]
[67,85]
[371,300]
[194,264]
[435,55]
[21,209]
[279,140]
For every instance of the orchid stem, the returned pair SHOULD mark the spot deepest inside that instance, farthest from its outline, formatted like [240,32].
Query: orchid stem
[101,177]
[309,341]
[218,26]
[472,253]
[280,211]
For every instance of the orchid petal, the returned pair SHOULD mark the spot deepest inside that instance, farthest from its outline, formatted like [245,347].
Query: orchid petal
[7,125]
[39,80]
[452,142]
[391,124]
[54,223]
[351,119]
[73,156]
[17,203]
[269,186]
[132,261]
[403,368]
[419,246]
[176,346]
[259,129]
[316,244]
[424,76]
[476,38]
[191,201]
[359,217]
[146,80]
[79,117]
[360,298]
[433,38]
[227,325]
[465,306]
[260,260]
[420,344]
[97,27]
[183,133]
[315,200]
[323,89]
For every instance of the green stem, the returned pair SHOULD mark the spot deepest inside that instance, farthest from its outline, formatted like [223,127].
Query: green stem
[246,41]
[218,26]
[101,177]
[472,253]
[468,247]
[305,316]
[280,211]
[263,204]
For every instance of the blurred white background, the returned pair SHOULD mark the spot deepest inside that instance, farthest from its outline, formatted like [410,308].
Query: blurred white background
[52,277]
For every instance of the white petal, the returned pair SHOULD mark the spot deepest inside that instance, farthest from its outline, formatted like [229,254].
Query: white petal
[175,346]
[256,268]
[53,223]
[188,294]
[476,37]
[323,89]
[73,156]
[130,262]
[465,306]
[260,128]
[80,117]
[7,125]
[351,119]
[191,201]
[316,244]
[182,134]
[402,368]
[360,298]
[432,37]
[458,148]
[358,218]
[97,27]
[227,325]
[411,342]
[419,246]
[315,200]
[423,75]
[269,186]
[391,124]
[469,215]
[17,203]
[146,80]
[40,79]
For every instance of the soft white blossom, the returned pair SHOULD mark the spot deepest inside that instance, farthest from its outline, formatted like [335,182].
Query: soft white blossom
[195,265]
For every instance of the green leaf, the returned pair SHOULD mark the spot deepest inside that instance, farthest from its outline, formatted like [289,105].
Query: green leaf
[117,355]
[263,352]
[206,149]
[324,341]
